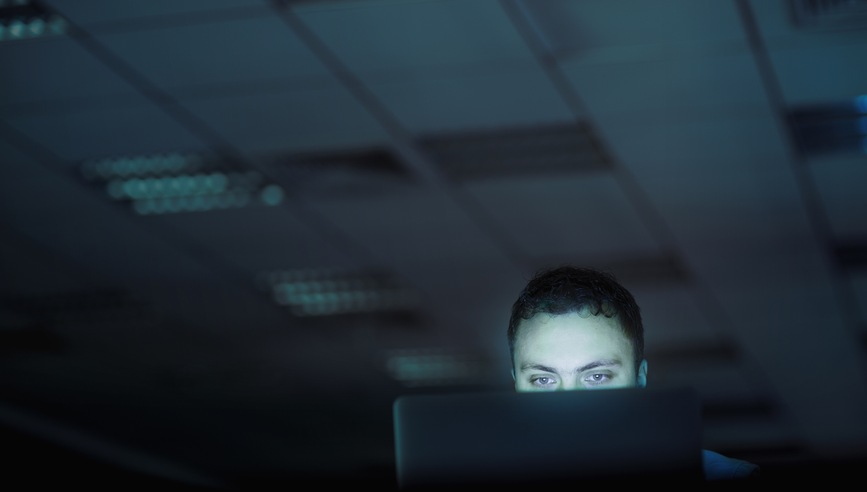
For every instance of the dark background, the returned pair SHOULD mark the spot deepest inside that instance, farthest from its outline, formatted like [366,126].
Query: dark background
[714,161]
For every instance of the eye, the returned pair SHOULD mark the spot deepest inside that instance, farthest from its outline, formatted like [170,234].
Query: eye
[543,381]
[598,378]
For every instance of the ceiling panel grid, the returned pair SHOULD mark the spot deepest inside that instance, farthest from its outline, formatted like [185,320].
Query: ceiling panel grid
[458,65]
[683,102]
[574,217]
[90,13]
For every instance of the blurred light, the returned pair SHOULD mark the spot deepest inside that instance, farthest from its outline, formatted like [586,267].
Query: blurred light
[15,29]
[57,25]
[174,182]
[861,103]
[26,20]
[36,27]
[327,292]
[436,367]
[272,195]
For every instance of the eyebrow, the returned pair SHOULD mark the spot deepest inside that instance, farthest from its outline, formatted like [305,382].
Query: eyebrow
[585,367]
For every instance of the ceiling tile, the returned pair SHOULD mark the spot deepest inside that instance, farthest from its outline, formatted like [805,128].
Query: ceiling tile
[218,53]
[138,128]
[84,230]
[569,25]
[779,28]
[704,85]
[841,185]
[95,11]
[818,74]
[671,317]
[783,310]
[303,120]
[774,287]
[859,286]
[258,239]
[16,165]
[655,146]
[52,69]
[732,212]
[377,36]
[419,229]
[568,216]
[432,104]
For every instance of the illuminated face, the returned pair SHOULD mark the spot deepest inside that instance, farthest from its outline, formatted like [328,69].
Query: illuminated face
[574,352]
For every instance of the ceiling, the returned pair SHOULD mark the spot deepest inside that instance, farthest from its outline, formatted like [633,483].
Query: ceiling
[151,331]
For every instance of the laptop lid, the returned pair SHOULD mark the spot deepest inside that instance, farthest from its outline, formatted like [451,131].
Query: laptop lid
[546,438]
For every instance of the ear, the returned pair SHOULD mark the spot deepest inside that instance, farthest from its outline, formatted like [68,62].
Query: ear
[513,375]
[642,375]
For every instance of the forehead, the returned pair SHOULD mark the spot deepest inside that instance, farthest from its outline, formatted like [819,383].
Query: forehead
[571,339]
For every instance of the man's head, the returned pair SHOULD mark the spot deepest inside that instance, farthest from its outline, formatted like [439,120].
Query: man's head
[576,328]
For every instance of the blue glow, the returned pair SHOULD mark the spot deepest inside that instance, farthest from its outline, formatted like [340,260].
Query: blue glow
[178,185]
[131,188]
[220,182]
[16,29]
[153,187]
[57,25]
[139,165]
[272,195]
[175,162]
[158,164]
[36,27]
[172,205]
[861,103]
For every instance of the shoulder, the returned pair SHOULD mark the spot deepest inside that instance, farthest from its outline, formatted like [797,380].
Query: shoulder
[719,467]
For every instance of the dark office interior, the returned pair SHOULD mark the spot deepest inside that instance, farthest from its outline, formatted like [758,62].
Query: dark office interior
[233,232]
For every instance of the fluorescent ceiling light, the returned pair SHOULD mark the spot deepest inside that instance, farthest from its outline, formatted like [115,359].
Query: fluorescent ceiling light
[172,183]
[328,292]
[22,19]
[437,367]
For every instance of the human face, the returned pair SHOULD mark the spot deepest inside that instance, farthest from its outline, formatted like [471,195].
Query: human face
[574,351]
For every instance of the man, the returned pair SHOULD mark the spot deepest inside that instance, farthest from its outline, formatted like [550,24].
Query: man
[577,329]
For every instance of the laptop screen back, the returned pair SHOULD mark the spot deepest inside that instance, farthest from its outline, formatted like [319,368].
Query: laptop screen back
[536,438]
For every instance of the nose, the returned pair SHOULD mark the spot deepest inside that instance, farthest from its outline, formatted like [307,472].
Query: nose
[570,384]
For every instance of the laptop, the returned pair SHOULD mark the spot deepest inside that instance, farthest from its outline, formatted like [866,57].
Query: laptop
[554,438]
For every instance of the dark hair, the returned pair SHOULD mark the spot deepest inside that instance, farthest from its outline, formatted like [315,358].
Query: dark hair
[572,290]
